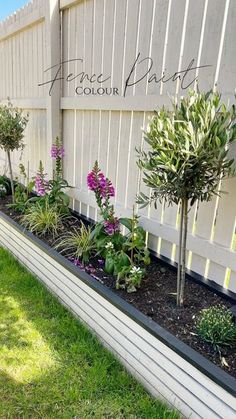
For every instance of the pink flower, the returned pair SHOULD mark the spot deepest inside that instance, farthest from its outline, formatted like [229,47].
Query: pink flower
[92,181]
[98,183]
[112,226]
[41,184]
[57,151]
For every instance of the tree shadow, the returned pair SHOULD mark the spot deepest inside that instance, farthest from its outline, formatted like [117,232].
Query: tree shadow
[12,330]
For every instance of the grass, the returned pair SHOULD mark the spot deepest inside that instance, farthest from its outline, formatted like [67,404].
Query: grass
[51,366]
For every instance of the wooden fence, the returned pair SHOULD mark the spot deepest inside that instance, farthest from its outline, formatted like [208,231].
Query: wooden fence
[93,71]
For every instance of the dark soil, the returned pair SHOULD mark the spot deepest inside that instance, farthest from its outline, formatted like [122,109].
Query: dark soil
[156,299]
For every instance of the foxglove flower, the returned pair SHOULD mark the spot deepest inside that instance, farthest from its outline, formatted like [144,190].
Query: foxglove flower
[41,184]
[57,153]
[98,183]
[57,150]
[112,226]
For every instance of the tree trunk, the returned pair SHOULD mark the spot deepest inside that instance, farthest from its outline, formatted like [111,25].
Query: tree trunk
[184,242]
[180,254]
[11,175]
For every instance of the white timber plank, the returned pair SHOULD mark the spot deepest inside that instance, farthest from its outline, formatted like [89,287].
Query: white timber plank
[157,44]
[143,44]
[171,60]
[203,229]
[224,229]
[192,41]
[122,157]
[212,34]
[227,70]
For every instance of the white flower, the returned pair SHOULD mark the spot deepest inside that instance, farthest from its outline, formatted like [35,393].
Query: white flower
[3,189]
[136,270]
[109,246]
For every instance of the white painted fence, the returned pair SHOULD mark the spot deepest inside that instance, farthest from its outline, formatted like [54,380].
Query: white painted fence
[115,38]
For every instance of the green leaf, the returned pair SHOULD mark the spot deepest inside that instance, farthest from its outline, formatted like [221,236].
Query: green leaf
[109,264]
[127,222]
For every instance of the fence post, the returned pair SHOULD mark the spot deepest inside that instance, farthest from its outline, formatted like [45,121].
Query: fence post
[53,54]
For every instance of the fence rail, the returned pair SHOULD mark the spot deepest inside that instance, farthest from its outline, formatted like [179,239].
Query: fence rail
[147,51]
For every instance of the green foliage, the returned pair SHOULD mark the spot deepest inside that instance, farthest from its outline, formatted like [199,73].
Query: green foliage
[43,219]
[115,260]
[57,153]
[57,184]
[130,279]
[119,263]
[216,326]
[12,126]
[57,195]
[135,240]
[122,252]
[21,198]
[77,243]
[132,243]
[188,149]
[51,190]
[22,192]
[101,239]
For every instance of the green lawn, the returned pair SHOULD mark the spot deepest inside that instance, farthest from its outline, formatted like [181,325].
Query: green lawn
[51,366]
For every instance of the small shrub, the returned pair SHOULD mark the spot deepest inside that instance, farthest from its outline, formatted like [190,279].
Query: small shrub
[12,126]
[22,191]
[77,243]
[129,277]
[216,326]
[52,190]
[43,219]
[132,280]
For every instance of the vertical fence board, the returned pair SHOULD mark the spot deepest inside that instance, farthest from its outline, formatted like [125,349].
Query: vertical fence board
[224,228]
[211,41]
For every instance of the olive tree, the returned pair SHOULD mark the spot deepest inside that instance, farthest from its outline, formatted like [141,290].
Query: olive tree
[186,157]
[12,125]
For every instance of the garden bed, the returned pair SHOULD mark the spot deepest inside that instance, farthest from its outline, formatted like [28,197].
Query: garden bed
[166,366]
[156,299]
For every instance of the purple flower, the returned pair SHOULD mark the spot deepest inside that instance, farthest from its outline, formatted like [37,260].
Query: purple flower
[98,183]
[101,262]
[57,151]
[90,269]
[111,190]
[92,181]
[41,184]
[77,262]
[112,226]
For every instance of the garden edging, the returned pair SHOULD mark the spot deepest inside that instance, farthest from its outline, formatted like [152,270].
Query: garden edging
[167,367]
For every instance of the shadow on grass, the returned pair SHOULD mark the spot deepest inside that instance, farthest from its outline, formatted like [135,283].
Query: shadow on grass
[12,334]
[52,366]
